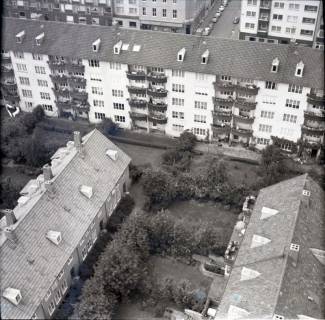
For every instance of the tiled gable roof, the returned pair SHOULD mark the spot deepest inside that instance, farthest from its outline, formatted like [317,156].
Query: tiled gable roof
[281,288]
[243,59]
[69,212]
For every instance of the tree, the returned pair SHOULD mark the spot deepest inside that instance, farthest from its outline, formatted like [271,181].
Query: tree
[186,141]
[9,194]
[38,113]
[29,121]
[108,127]
[216,173]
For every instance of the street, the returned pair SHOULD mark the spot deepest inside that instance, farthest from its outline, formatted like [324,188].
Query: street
[224,26]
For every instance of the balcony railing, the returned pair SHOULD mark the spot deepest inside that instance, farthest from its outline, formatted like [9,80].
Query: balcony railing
[82,106]
[139,75]
[219,129]
[75,81]
[243,104]
[227,101]
[317,131]
[219,84]
[312,98]
[5,59]
[137,90]
[54,64]
[7,72]
[138,103]
[160,107]
[9,85]
[160,119]
[79,95]
[242,132]
[262,30]
[59,78]
[159,93]
[157,77]
[264,18]
[315,116]
[265,5]
[244,119]
[138,116]
[75,68]
[248,88]
[63,92]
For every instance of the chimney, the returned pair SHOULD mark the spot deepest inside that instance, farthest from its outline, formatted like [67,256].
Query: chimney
[47,172]
[294,253]
[11,234]
[77,142]
[49,186]
[10,217]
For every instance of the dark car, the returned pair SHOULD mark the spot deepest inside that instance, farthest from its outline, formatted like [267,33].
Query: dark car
[236,20]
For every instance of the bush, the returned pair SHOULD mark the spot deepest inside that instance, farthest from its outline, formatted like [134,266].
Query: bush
[135,173]
[186,141]
[109,127]
[29,121]
[38,113]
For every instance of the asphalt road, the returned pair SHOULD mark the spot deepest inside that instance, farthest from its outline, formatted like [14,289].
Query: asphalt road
[224,28]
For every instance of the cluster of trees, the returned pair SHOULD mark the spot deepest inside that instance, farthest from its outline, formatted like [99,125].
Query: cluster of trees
[122,267]
[108,127]
[22,141]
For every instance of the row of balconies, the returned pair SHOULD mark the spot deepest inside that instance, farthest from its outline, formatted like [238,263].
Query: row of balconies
[152,76]
[314,99]
[157,93]
[226,129]
[250,89]
[315,116]
[151,117]
[143,104]
[314,131]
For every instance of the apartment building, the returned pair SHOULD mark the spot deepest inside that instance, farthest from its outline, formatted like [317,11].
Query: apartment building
[97,12]
[239,92]
[282,21]
[276,262]
[126,13]
[59,217]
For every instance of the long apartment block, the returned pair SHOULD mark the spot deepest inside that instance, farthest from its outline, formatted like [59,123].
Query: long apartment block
[220,89]
[283,21]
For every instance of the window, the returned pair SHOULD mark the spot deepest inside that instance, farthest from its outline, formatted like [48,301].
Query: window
[51,307]
[177,102]
[251,2]
[292,103]
[132,24]
[119,118]
[45,96]
[226,93]
[70,260]
[47,107]
[279,5]
[277,17]
[311,8]
[42,83]
[98,103]
[28,104]
[95,78]
[200,93]
[291,30]
[304,32]
[27,93]
[64,286]
[24,80]
[278,317]
[21,67]
[289,118]
[200,105]
[118,106]
[97,90]
[265,128]
[178,73]
[178,115]
[200,118]
[263,141]
[115,65]
[133,11]
[276,28]
[19,55]
[144,11]
[267,114]
[293,19]
[99,115]
[294,88]
[178,127]
[199,131]
[164,12]
[270,85]
[250,13]
[37,56]
[249,25]
[201,76]
[174,14]
[40,70]
[154,12]
[308,20]
[93,63]
[294,247]
[294,6]
[177,87]
[117,93]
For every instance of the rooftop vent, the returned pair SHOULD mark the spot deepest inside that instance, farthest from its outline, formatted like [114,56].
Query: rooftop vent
[294,247]
[10,216]
[294,253]
[86,191]
[181,54]
[113,154]
[96,45]
[306,193]
[268,212]
[13,295]
[275,65]
[54,236]
[39,39]
[20,36]
[117,47]
[47,172]
[248,274]
[258,241]
[136,48]
[299,69]
[11,234]
[205,57]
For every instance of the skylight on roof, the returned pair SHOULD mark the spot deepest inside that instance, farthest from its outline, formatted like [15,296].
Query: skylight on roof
[54,236]
[268,212]
[136,47]
[125,46]
[13,295]
[86,191]
[248,274]
[258,241]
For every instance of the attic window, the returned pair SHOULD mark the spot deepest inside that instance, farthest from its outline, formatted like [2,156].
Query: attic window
[275,65]
[136,48]
[205,57]
[278,317]
[86,191]
[117,47]
[181,55]
[268,212]
[54,236]
[306,193]
[20,36]
[96,45]
[294,247]
[39,39]
[299,69]
[112,154]
[13,295]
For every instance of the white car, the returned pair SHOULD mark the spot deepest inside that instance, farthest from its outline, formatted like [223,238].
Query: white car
[221,8]
[214,19]
[225,3]
[206,31]
[218,14]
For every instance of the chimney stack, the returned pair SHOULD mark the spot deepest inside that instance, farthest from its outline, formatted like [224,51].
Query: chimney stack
[47,172]
[77,142]
[49,186]
[11,234]
[10,217]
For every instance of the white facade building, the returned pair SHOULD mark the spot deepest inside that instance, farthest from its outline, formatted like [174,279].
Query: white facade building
[240,92]
[280,21]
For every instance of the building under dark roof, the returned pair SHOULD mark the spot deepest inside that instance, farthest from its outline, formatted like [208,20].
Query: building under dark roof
[280,268]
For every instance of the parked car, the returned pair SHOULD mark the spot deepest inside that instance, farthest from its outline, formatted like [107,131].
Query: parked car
[221,8]
[236,20]
[206,31]
[225,3]
[218,14]
[214,19]
[199,31]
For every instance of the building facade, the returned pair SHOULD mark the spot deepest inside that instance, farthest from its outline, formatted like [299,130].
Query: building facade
[59,216]
[273,93]
[282,21]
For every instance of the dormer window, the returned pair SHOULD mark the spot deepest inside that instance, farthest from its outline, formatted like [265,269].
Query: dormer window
[117,47]
[39,39]
[20,36]
[299,69]
[96,45]
[205,57]
[275,65]
[181,55]
[294,247]
[54,236]
[13,295]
